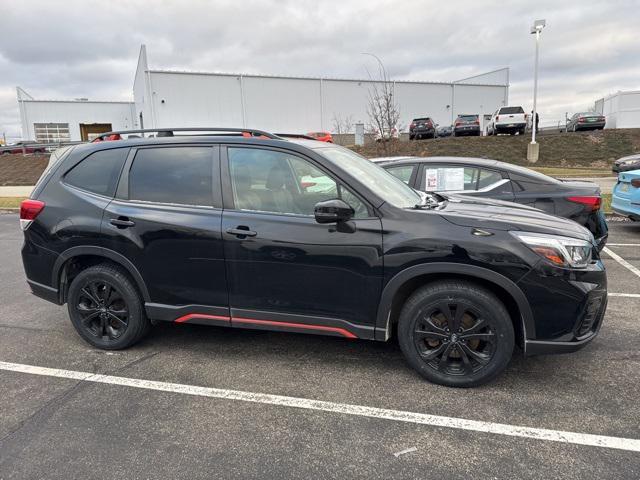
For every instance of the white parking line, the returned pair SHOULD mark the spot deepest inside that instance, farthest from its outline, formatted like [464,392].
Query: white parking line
[629,444]
[621,261]
[629,295]
[623,244]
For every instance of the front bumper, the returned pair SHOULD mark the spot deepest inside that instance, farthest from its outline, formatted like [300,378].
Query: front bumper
[568,307]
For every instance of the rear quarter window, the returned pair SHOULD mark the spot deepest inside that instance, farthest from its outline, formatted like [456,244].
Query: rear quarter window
[98,172]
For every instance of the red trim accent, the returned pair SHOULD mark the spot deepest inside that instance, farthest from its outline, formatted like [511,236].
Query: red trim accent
[341,331]
[190,316]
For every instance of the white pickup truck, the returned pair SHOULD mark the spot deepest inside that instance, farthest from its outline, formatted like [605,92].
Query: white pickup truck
[509,120]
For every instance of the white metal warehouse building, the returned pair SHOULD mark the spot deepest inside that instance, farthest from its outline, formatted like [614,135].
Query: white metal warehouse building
[621,109]
[282,104]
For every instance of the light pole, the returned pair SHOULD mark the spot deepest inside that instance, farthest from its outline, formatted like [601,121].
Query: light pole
[533,149]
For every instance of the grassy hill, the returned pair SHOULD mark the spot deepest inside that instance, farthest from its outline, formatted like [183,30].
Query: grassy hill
[587,150]
[590,153]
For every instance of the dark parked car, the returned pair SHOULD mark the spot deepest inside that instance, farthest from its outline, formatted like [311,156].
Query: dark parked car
[422,128]
[625,164]
[23,146]
[586,121]
[243,239]
[577,200]
[466,125]
[444,131]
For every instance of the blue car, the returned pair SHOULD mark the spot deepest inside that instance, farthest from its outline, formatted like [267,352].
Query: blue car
[626,195]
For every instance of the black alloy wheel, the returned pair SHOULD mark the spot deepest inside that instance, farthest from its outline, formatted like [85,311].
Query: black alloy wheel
[103,310]
[453,338]
[456,333]
[105,307]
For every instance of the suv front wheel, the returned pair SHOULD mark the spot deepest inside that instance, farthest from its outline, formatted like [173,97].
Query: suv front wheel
[456,333]
[106,309]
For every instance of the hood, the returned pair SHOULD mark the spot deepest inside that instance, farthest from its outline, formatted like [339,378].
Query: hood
[467,211]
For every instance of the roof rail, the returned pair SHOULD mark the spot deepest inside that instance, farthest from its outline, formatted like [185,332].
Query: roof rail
[169,132]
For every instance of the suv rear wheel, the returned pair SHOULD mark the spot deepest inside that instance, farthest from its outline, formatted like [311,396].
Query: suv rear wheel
[106,309]
[456,333]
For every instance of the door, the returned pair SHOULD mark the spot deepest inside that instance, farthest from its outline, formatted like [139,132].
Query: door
[89,131]
[287,271]
[166,220]
[467,179]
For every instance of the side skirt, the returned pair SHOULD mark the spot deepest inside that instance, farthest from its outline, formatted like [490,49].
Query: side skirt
[261,320]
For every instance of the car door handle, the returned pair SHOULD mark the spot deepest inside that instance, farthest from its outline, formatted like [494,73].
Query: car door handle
[122,222]
[241,231]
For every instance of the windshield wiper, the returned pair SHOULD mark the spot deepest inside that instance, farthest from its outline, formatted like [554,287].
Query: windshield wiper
[429,200]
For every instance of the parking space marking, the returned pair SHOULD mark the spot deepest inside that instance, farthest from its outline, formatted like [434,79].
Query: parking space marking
[602,441]
[628,295]
[623,244]
[621,261]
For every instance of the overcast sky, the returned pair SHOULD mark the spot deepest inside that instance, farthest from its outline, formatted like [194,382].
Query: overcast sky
[68,49]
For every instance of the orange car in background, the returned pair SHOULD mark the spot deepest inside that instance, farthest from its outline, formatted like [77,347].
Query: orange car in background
[321,136]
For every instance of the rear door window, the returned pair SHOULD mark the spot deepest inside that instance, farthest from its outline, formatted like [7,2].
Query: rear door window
[178,175]
[99,172]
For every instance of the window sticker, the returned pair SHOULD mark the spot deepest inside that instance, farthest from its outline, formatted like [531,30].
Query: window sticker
[445,179]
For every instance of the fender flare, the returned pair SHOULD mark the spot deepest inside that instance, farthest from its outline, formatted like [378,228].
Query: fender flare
[116,257]
[382,330]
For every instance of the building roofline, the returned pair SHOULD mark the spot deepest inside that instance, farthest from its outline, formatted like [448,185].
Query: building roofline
[335,79]
[81,102]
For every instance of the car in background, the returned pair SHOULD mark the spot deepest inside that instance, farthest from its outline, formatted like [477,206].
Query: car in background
[586,121]
[580,201]
[23,146]
[626,195]
[509,120]
[466,125]
[388,134]
[321,136]
[624,164]
[423,127]
[444,131]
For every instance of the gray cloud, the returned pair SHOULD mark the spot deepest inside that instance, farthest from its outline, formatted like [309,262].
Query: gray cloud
[89,49]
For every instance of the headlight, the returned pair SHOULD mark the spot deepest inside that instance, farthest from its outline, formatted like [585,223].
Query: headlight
[560,251]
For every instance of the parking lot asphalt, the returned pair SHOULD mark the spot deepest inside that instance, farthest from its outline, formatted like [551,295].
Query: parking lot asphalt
[52,427]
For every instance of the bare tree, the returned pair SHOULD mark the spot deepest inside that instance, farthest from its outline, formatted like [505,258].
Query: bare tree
[382,109]
[342,125]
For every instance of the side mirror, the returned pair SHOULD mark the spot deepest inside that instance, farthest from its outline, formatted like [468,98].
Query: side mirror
[333,211]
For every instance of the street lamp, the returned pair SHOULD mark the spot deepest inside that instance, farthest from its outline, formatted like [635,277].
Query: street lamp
[533,150]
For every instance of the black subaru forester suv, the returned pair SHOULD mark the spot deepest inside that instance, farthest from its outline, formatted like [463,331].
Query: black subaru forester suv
[244,229]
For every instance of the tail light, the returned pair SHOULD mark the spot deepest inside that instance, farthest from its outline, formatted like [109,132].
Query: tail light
[412,125]
[458,123]
[497,118]
[29,210]
[592,203]
[636,182]
[477,122]
[580,119]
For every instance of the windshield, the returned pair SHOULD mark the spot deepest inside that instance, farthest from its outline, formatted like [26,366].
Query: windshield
[391,189]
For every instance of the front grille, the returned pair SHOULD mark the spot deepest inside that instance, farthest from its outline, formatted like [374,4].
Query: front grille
[593,313]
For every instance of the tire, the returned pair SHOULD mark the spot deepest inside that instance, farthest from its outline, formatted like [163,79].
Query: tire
[469,362]
[411,137]
[106,308]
